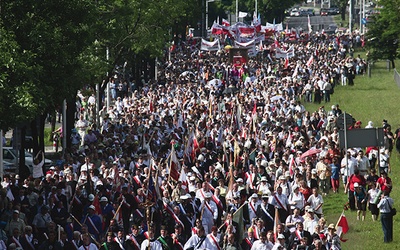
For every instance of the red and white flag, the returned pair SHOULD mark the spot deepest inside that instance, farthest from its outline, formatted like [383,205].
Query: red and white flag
[310,61]
[342,227]
[225,22]
[174,166]
[183,178]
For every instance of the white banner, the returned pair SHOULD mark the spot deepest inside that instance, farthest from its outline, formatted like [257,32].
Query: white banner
[277,27]
[279,53]
[210,46]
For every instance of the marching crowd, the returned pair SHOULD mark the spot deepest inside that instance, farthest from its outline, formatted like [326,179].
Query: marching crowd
[215,155]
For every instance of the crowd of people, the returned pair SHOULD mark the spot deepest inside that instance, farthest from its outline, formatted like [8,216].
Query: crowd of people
[215,155]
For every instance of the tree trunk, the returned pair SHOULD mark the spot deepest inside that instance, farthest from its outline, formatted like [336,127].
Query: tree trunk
[41,123]
[52,124]
[34,131]
[22,170]
[71,109]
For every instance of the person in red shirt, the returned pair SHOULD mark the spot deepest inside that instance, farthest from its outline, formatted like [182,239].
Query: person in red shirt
[384,182]
[355,178]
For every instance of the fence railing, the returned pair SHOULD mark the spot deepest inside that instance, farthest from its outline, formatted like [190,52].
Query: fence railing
[397,77]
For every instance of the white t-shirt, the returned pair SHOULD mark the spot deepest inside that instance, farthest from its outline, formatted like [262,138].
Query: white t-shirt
[315,201]
[37,170]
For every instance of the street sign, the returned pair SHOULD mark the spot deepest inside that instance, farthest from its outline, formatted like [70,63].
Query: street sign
[362,137]
[349,120]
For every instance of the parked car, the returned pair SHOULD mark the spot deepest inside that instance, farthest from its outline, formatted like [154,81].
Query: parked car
[295,12]
[323,12]
[333,11]
[309,12]
[8,167]
[11,156]
[331,29]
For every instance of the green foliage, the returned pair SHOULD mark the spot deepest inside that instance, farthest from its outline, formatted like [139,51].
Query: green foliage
[383,32]
[17,91]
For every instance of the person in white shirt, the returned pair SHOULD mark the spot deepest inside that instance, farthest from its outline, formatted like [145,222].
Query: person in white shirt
[209,211]
[362,163]
[296,198]
[214,237]
[252,206]
[154,243]
[87,244]
[316,201]
[347,168]
[198,241]
[262,243]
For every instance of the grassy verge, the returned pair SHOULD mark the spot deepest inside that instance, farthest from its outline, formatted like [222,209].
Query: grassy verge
[370,99]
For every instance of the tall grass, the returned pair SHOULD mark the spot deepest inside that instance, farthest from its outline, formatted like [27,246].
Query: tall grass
[370,99]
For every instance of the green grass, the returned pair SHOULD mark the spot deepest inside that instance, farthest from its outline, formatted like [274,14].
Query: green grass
[370,99]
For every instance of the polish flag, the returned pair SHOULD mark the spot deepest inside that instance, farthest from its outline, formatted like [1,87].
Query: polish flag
[225,22]
[342,227]
[310,61]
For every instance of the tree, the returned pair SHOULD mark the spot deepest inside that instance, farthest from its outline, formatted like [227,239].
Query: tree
[383,32]
[55,33]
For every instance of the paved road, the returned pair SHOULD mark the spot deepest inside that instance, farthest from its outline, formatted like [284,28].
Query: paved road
[317,22]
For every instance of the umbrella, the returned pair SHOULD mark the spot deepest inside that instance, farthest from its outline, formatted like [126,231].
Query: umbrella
[230,90]
[214,83]
[186,73]
[277,97]
[310,152]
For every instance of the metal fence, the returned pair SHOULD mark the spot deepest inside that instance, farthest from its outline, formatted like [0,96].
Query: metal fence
[397,77]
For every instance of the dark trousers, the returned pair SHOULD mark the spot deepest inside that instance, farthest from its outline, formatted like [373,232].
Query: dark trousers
[387,227]
[351,200]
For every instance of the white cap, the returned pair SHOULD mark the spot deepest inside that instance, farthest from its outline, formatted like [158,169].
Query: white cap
[356,185]
[254,195]
[264,178]
[239,180]
[92,207]
[103,199]
[91,197]
[84,168]
[281,236]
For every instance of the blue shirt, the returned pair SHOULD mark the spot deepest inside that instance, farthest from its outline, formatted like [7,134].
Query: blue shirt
[385,204]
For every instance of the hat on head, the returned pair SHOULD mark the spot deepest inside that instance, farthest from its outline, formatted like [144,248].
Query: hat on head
[16,211]
[287,174]
[310,210]
[356,185]
[83,168]
[239,180]
[254,196]
[92,207]
[103,199]
[264,196]
[294,187]
[331,226]
[313,171]
[282,177]
[264,178]
[183,197]
[91,197]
